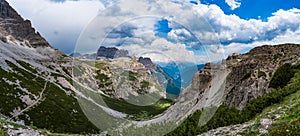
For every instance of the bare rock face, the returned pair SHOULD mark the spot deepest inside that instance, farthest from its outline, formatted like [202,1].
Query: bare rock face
[235,82]
[249,77]
[147,62]
[14,28]
[111,53]
[206,90]
[252,72]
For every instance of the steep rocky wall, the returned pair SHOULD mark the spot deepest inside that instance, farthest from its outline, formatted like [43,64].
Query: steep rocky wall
[252,72]
[11,23]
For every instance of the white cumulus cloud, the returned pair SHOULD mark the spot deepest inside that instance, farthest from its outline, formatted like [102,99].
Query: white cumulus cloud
[162,51]
[233,4]
[233,29]
[62,22]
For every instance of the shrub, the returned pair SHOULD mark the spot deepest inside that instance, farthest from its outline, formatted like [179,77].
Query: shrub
[248,75]
[282,76]
[261,74]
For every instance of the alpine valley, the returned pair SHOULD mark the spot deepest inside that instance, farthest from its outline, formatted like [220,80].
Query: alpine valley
[43,91]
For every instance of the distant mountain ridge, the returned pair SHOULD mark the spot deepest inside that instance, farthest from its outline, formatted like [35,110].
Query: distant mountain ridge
[171,71]
[111,53]
[182,76]
[38,86]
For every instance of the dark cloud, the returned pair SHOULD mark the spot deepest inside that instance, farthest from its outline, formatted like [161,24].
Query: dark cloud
[124,31]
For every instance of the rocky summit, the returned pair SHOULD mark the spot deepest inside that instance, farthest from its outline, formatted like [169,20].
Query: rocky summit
[35,80]
[147,62]
[13,27]
[111,53]
[251,73]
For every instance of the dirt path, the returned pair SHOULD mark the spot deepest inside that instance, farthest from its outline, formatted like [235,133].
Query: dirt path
[30,106]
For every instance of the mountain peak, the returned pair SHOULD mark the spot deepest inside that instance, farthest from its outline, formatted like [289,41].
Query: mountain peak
[111,53]
[15,29]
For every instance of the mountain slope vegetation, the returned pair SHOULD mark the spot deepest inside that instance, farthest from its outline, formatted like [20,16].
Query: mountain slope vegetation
[40,87]
[285,92]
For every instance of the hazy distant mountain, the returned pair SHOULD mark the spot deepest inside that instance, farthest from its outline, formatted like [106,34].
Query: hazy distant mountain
[111,53]
[181,73]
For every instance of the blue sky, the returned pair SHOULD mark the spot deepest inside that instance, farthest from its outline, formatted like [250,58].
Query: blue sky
[239,25]
[255,8]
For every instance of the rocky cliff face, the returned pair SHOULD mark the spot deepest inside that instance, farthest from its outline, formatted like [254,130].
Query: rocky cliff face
[111,53]
[251,72]
[14,28]
[235,82]
[147,62]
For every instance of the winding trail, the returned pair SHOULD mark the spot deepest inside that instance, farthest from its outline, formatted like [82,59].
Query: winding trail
[30,106]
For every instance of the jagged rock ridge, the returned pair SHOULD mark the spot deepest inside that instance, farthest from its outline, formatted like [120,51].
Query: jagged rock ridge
[14,27]
[111,53]
[229,83]
[147,62]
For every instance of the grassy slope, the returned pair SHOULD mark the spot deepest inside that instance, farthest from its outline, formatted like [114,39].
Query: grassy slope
[4,127]
[57,111]
[139,112]
[8,101]
[285,115]
[4,130]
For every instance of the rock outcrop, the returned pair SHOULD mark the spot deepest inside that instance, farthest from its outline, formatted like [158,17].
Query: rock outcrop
[147,62]
[111,53]
[14,28]
[235,82]
[252,72]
